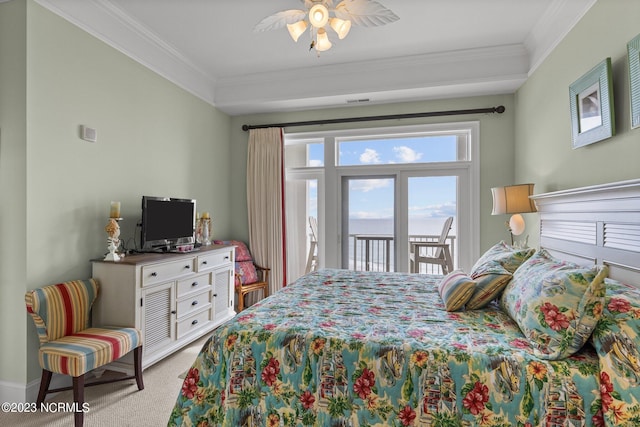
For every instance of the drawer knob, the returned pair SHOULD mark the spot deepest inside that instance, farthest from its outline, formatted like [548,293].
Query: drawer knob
[194,284]
[187,266]
[173,312]
[194,303]
[227,257]
[154,274]
[204,262]
[194,322]
[215,295]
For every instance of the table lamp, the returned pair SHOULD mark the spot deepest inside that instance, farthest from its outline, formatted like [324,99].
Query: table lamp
[513,199]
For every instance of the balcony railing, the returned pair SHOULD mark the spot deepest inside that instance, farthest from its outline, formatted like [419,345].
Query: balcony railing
[370,252]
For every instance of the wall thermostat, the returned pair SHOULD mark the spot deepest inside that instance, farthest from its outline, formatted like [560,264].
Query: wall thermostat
[88,134]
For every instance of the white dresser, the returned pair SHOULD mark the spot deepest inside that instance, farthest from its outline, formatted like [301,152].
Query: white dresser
[173,299]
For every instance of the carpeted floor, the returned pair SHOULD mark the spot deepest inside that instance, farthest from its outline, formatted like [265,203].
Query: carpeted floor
[121,404]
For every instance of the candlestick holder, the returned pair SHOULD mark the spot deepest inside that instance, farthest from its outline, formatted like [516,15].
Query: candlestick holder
[113,239]
[205,230]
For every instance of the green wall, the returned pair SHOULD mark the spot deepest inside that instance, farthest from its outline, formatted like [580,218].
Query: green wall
[496,142]
[544,153]
[13,181]
[153,139]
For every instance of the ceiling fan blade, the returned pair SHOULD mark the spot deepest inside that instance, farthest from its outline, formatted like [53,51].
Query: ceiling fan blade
[280,20]
[364,12]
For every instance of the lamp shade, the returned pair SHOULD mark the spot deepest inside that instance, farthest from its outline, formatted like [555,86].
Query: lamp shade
[513,199]
[296,30]
[318,15]
[323,42]
[340,26]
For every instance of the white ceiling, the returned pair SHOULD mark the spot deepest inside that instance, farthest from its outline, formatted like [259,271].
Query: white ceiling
[437,49]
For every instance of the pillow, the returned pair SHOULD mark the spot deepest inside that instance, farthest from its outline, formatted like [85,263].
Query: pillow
[617,341]
[556,304]
[487,288]
[501,257]
[247,272]
[455,289]
[242,252]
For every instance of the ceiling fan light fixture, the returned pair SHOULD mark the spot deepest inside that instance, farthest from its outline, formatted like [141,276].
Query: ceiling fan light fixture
[322,42]
[297,29]
[340,26]
[318,15]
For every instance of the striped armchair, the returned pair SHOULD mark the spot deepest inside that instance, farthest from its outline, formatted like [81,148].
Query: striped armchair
[69,346]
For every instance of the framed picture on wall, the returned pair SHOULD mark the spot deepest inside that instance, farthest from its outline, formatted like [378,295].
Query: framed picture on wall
[633,53]
[591,102]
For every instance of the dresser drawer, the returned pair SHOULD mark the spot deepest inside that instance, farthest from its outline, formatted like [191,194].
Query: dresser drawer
[192,323]
[158,273]
[193,303]
[216,259]
[193,284]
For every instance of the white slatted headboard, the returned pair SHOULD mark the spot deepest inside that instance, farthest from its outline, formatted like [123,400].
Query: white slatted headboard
[598,224]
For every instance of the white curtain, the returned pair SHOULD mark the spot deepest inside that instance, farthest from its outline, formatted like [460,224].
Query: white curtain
[265,202]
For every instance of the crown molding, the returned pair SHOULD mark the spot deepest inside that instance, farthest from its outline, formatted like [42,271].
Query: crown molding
[108,23]
[558,20]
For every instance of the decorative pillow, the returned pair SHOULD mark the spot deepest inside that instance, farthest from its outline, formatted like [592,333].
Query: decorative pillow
[488,287]
[501,256]
[617,341]
[242,252]
[455,290]
[247,272]
[556,304]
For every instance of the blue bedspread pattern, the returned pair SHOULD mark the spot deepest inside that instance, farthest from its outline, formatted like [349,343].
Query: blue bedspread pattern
[344,348]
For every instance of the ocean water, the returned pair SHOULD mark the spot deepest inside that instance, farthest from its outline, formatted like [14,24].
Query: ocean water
[381,226]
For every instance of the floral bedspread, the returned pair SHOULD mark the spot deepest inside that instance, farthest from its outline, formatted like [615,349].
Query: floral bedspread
[344,348]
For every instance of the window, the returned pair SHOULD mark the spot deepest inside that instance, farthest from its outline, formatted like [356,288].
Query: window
[375,190]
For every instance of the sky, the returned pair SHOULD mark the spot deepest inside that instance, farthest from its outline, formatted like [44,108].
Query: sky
[429,197]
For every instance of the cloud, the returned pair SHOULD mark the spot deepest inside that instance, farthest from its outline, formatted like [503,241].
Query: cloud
[367,215]
[366,185]
[370,156]
[406,154]
[443,210]
[316,163]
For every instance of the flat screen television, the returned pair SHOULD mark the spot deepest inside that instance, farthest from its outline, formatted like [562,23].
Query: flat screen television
[167,222]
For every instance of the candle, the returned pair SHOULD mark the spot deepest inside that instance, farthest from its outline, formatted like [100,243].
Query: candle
[114,212]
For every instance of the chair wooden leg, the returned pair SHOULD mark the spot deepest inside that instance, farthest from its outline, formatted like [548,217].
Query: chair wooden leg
[45,381]
[78,398]
[137,359]
[240,301]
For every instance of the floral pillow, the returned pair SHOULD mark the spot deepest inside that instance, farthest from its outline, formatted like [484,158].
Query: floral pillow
[616,339]
[242,252]
[556,304]
[501,257]
[246,272]
[455,290]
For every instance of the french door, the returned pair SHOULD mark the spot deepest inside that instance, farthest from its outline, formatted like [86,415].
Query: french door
[383,214]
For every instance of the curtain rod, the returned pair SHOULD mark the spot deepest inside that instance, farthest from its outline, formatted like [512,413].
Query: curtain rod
[500,109]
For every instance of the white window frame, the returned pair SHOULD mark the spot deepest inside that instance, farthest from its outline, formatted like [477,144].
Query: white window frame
[330,177]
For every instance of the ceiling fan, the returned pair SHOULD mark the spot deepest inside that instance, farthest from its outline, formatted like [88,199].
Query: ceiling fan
[320,14]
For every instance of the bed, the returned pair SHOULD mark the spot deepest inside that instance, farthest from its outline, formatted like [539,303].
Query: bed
[345,348]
